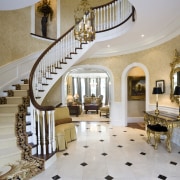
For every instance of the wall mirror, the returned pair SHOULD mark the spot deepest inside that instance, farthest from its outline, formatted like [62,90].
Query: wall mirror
[175,76]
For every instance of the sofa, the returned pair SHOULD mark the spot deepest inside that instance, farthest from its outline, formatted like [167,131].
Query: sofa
[92,103]
[65,130]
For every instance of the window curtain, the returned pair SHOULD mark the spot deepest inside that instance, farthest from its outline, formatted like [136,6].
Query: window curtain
[107,91]
[98,86]
[79,89]
[73,86]
[87,87]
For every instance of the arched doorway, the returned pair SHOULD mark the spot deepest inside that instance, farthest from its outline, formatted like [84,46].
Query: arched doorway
[124,91]
[88,69]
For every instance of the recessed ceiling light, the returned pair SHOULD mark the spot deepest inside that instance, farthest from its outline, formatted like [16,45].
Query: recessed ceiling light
[142,35]
[108,46]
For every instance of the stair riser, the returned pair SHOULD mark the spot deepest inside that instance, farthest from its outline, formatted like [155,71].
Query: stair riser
[14,101]
[20,93]
[9,109]
[7,130]
[7,119]
[24,86]
[8,143]
[12,158]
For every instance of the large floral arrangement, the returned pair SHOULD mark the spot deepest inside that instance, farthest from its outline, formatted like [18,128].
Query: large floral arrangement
[44,8]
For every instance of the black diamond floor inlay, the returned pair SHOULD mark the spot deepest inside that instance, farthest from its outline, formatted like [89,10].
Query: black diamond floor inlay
[173,163]
[119,146]
[124,131]
[142,153]
[104,154]
[101,140]
[66,154]
[141,134]
[109,177]
[114,135]
[131,139]
[162,177]
[85,146]
[84,164]
[129,164]
[56,177]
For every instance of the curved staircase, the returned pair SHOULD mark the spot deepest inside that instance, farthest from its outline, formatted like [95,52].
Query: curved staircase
[26,125]
[16,150]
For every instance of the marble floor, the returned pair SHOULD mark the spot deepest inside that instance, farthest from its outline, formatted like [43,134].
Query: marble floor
[103,151]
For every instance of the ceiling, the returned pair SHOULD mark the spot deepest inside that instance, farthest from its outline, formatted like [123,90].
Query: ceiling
[157,20]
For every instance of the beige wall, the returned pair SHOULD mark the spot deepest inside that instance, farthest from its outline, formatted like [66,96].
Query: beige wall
[16,41]
[157,60]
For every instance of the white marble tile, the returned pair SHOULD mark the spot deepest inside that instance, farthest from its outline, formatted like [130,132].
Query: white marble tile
[122,145]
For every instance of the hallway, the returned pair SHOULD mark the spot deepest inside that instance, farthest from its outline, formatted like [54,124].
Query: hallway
[102,151]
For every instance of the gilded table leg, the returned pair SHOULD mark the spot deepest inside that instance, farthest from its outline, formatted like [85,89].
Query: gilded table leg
[168,142]
[148,136]
[157,140]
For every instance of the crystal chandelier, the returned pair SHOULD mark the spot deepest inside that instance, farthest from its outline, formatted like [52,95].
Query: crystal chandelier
[84,30]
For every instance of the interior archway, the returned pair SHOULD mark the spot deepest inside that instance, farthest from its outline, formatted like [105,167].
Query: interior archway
[89,70]
[124,91]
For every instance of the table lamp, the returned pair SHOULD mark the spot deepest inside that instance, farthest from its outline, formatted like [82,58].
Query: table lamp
[157,90]
[70,100]
[177,93]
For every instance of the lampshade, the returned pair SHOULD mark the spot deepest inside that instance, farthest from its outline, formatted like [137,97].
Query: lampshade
[76,96]
[70,98]
[177,90]
[157,90]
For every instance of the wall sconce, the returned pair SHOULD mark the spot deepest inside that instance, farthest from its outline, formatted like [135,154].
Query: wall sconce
[157,90]
[177,93]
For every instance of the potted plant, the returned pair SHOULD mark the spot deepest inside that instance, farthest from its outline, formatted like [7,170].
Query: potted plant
[47,11]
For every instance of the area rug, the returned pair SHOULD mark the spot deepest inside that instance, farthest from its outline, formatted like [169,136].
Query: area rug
[91,116]
[138,125]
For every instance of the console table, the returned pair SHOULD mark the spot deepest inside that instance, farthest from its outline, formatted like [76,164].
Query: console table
[161,124]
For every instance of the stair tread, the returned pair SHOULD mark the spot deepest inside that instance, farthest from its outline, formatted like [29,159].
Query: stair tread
[9,105]
[14,97]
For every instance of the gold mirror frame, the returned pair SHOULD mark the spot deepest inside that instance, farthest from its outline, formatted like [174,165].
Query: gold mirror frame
[175,67]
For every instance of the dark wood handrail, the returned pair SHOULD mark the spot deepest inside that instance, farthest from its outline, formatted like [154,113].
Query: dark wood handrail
[32,97]
[42,108]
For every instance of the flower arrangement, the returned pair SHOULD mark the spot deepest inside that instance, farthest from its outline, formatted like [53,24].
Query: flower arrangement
[45,8]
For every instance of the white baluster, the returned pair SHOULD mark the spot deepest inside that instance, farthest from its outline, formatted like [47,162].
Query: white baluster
[39,135]
[101,18]
[33,124]
[44,132]
[104,22]
[113,15]
[49,132]
[98,21]
[53,132]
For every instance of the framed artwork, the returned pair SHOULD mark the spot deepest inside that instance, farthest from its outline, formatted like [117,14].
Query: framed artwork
[136,88]
[161,83]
